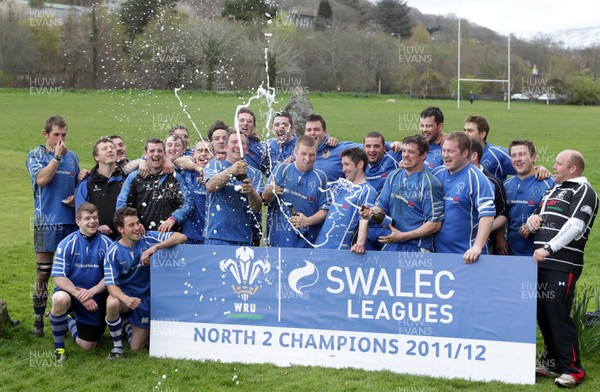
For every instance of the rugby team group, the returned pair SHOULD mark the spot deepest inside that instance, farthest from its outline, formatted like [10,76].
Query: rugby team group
[95,231]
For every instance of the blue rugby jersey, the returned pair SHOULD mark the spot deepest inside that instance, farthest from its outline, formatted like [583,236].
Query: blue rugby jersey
[329,159]
[193,223]
[468,196]
[434,156]
[523,196]
[412,200]
[341,225]
[308,194]
[377,172]
[47,200]
[257,155]
[82,262]
[228,214]
[280,152]
[123,266]
[496,160]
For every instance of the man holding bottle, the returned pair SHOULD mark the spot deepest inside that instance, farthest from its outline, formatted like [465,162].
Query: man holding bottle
[413,199]
[297,196]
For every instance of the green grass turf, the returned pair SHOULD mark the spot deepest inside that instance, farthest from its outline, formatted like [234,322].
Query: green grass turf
[26,363]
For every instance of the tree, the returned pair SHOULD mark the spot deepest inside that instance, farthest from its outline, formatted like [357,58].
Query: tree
[94,45]
[36,3]
[212,50]
[136,14]
[247,10]
[393,17]
[272,65]
[584,91]
[324,14]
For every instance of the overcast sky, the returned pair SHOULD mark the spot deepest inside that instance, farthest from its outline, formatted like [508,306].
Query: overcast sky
[524,18]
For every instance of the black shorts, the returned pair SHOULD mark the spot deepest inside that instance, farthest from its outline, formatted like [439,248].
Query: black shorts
[90,333]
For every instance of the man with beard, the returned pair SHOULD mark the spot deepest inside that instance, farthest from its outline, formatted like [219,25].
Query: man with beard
[120,150]
[282,146]
[381,164]
[431,125]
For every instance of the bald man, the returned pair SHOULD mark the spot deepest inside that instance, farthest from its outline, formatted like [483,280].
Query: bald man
[562,223]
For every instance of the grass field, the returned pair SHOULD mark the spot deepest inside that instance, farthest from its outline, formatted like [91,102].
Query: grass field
[26,363]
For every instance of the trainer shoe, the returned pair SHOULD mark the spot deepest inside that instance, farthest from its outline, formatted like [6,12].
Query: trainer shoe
[61,355]
[543,371]
[37,332]
[115,353]
[566,381]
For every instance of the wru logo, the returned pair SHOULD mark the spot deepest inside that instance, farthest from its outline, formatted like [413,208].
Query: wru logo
[245,271]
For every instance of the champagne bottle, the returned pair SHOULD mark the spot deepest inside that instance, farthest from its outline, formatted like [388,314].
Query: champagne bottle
[241,176]
[293,212]
[382,219]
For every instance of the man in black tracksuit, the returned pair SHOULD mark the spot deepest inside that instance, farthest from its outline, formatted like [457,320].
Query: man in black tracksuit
[162,200]
[102,186]
[562,224]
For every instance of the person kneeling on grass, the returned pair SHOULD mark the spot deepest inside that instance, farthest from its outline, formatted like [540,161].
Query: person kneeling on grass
[79,278]
[127,279]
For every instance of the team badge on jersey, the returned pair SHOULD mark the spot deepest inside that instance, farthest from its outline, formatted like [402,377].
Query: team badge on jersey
[586,210]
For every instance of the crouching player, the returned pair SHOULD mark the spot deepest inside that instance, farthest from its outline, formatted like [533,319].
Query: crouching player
[127,279]
[79,277]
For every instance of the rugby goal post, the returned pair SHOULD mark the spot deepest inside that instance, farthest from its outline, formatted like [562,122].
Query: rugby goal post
[459,79]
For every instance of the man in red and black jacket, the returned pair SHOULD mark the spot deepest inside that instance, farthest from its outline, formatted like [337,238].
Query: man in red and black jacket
[562,223]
